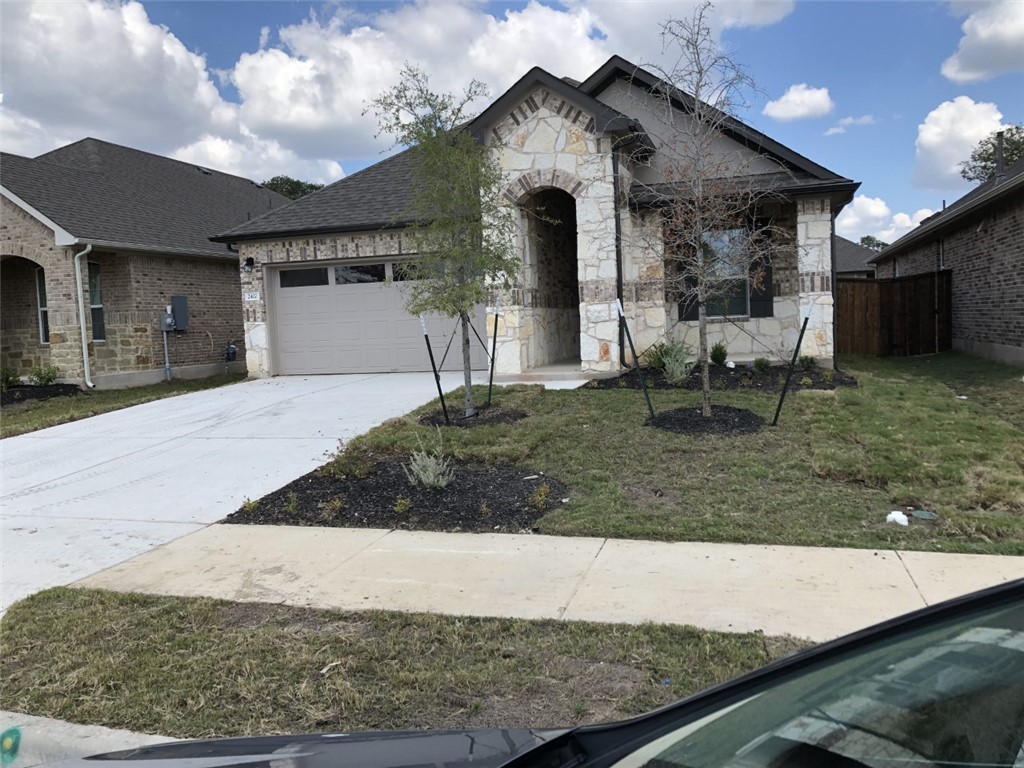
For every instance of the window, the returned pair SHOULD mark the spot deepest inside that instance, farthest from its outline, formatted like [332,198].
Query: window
[44,314]
[300,278]
[99,328]
[359,273]
[736,294]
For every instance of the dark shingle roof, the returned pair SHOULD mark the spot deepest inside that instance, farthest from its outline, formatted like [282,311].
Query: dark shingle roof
[852,257]
[377,197]
[106,193]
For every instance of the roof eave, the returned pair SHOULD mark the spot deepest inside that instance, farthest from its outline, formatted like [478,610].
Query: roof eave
[144,248]
[61,237]
[945,222]
[331,230]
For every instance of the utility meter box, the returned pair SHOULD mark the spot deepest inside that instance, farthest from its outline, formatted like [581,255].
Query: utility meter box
[179,309]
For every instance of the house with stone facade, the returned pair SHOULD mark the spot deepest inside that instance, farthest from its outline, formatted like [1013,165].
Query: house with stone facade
[980,240]
[96,240]
[322,278]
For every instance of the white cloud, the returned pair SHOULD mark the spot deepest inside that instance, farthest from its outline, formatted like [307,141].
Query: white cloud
[871,216]
[947,136]
[264,37]
[993,41]
[846,122]
[800,101]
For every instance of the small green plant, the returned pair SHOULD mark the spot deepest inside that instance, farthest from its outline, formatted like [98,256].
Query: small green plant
[249,505]
[719,354]
[654,357]
[429,467]
[291,505]
[43,375]
[762,364]
[332,506]
[8,378]
[828,375]
[808,362]
[806,381]
[485,509]
[539,498]
[678,363]
[402,505]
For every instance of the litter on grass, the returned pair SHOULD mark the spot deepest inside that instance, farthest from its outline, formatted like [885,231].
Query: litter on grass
[897,517]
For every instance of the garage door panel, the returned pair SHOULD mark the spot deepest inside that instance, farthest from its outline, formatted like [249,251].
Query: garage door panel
[361,328]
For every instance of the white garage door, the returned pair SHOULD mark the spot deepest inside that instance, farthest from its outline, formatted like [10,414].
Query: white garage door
[352,319]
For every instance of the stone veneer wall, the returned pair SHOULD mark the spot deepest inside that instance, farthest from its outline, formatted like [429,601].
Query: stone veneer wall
[814,253]
[986,256]
[20,347]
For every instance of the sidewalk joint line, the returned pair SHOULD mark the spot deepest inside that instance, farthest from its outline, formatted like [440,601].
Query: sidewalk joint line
[912,579]
[583,577]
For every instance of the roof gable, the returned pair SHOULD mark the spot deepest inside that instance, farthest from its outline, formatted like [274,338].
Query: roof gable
[107,194]
[852,257]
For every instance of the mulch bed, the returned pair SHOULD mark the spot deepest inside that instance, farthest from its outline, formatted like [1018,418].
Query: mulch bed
[485,415]
[21,394]
[739,378]
[480,498]
[724,420]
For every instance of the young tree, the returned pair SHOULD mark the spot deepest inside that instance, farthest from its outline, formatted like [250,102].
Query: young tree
[716,231]
[872,242]
[982,165]
[289,187]
[465,236]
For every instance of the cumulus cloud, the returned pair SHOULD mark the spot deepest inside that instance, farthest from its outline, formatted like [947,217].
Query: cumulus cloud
[871,216]
[800,101]
[992,44]
[846,122]
[255,158]
[947,136]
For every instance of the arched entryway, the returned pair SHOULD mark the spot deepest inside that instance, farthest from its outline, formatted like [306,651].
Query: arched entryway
[24,315]
[551,280]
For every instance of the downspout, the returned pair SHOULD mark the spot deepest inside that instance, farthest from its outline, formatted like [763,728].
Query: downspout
[86,373]
[631,139]
[835,295]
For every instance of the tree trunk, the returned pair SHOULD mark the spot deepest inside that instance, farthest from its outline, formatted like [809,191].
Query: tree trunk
[702,354]
[467,370]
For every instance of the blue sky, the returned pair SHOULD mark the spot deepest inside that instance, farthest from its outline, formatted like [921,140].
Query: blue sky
[891,94]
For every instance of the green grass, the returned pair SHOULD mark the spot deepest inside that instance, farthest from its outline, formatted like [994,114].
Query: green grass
[827,476]
[195,667]
[39,414]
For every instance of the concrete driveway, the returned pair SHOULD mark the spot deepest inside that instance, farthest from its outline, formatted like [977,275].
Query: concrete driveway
[84,496]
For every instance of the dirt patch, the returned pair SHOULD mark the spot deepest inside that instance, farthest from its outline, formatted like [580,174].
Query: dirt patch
[485,415]
[724,420]
[740,378]
[480,498]
[23,394]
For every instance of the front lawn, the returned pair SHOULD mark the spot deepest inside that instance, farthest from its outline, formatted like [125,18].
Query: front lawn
[31,415]
[838,463]
[188,667]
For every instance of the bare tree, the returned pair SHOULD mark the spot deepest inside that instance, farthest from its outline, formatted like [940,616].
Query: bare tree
[711,195]
[464,236]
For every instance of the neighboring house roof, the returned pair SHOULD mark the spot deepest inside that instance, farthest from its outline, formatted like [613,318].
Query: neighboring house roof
[96,192]
[379,197]
[978,199]
[852,257]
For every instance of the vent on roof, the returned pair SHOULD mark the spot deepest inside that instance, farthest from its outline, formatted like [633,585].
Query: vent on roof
[204,171]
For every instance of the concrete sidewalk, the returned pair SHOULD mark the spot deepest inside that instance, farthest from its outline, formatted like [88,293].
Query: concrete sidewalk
[816,593]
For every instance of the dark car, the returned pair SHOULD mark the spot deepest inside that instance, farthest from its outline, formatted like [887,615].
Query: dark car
[940,687]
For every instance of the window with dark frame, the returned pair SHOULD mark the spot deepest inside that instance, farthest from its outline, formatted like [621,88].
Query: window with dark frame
[99,328]
[749,291]
[44,314]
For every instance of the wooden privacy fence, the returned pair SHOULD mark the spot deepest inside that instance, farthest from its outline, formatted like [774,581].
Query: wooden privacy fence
[897,317]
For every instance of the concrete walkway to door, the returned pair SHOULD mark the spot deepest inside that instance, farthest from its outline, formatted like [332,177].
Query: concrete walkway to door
[81,497]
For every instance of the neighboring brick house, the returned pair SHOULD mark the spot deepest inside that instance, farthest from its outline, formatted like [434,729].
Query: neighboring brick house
[853,259]
[980,239]
[322,277]
[139,225]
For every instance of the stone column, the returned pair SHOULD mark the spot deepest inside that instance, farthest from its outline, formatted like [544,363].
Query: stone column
[814,252]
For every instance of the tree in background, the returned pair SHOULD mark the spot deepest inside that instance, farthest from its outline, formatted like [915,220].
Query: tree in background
[872,242]
[289,187]
[982,165]
[718,242]
[465,236]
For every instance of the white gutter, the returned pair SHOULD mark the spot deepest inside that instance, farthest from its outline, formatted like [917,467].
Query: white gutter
[86,373]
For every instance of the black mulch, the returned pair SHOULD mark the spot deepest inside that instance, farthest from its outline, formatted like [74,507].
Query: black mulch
[724,420]
[493,414]
[480,498]
[21,394]
[739,378]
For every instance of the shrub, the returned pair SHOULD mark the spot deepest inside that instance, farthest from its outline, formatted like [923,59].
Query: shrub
[43,375]
[429,468]
[808,362]
[8,378]
[654,357]
[762,365]
[678,363]
[719,354]
[539,498]
[402,505]
[806,381]
[828,375]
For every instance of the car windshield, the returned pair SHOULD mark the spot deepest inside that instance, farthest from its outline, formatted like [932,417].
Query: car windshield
[951,695]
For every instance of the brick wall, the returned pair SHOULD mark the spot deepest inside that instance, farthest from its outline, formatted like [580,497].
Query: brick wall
[20,347]
[986,256]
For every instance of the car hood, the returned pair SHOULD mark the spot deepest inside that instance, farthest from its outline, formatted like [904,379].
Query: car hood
[402,749]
